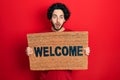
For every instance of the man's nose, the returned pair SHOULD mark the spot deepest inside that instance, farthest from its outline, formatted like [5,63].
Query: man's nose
[58,19]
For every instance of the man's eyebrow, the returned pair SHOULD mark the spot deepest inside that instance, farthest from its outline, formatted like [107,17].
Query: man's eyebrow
[54,14]
[61,15]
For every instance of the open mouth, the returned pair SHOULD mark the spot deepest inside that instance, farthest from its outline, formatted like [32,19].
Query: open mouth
[57,25]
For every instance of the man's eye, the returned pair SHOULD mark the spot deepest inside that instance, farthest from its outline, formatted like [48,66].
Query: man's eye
[54,16]
[61,17]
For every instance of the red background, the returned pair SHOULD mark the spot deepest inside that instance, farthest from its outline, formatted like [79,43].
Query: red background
[100,17]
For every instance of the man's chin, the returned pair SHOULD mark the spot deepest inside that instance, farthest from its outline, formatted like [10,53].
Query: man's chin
[57,29]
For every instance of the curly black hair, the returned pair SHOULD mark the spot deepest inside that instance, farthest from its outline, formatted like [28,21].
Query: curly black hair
[58,6]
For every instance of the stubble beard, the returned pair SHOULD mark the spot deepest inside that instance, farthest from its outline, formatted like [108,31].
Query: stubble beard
[55,28]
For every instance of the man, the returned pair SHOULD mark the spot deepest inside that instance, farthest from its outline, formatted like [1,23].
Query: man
[58,14]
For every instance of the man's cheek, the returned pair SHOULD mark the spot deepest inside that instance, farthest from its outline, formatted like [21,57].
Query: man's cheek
[61,23]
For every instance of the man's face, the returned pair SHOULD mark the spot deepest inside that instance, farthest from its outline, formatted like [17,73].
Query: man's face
[57,19]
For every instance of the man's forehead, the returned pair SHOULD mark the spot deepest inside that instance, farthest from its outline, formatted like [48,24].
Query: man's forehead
[58,11]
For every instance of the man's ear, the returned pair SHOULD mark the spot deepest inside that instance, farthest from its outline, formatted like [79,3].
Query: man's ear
[64,20]
[50,20]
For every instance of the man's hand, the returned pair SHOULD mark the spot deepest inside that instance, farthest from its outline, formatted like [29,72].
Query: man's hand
[29,51]
[87,51]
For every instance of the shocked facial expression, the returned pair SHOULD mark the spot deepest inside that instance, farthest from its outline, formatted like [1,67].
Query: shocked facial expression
[57,19]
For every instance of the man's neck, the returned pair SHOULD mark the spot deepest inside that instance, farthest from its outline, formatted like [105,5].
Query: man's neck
[61,30]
